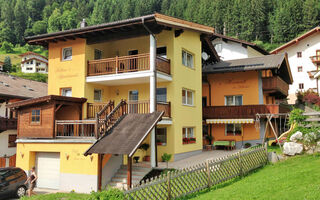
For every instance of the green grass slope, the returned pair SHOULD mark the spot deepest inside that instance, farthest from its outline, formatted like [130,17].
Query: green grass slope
[295,178]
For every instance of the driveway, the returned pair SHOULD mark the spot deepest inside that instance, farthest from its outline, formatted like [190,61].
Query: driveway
[40,191]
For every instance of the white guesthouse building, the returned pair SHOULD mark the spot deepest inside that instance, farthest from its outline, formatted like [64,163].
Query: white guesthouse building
[32,62]
[304,58]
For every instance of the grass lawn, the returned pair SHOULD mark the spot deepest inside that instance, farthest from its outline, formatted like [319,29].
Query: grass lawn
[58,196]
[296,178]
[274,149]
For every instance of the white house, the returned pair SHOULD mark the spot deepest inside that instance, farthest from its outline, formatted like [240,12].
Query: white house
[229,48]
[32,62]
[304,58]
[1,66]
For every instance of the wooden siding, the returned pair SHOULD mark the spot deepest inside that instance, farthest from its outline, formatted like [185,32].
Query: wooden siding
[42,130]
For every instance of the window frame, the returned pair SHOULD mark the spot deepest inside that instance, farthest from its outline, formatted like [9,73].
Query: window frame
[234,100]
[186,139]
[63,89]
[234,130]
[185,61]
[300,69]
[166,95]
[94,97]
[96,51]
[165,133]
[11,143]
[186,97]
[301,88]
[63,53]
[31,115]
[299,54]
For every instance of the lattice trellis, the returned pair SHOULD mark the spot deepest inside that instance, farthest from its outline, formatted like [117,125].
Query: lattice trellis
[189,180]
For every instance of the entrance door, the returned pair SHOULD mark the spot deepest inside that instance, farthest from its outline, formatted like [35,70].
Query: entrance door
[133,63]
[133,101]
[48,170]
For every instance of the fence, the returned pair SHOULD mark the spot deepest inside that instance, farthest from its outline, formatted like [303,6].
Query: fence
[212,172]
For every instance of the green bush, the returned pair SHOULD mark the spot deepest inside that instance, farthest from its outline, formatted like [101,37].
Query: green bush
[109,194]
[7,47]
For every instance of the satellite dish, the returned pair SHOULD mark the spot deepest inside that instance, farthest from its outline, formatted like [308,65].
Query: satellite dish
[205,56]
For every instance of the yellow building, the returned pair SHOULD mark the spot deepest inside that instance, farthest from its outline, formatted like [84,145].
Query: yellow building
[151,62]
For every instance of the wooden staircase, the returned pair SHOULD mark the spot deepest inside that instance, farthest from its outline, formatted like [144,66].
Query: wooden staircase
[119,180]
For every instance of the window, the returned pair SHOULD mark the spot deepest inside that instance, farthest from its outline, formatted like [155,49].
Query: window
[187,59]
[35,116]
[300,69]
[97,95]
[204,101]
[67,92]
[233,100]
[37,64]
[31,62]
[27,63]
[67,53]
[97,54]
[29,68]
[187,97]
[161,136]
[161,94]
[162,52]
[218,47]
[301,86]
[12,141]
[233,129]
[299,54]
[188,135]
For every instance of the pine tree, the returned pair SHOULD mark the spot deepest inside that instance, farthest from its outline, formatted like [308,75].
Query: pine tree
[7,64]
[20,20]
[310,14]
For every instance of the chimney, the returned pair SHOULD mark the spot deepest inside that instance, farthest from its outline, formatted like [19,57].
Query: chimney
[83,23]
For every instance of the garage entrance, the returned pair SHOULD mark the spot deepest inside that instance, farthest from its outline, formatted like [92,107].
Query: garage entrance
[48,170]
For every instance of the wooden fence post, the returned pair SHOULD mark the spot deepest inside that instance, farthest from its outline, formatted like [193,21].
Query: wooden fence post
[208,173]
[169,188]
[240,164]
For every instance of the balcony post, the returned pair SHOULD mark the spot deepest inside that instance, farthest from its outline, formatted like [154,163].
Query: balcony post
[153,103]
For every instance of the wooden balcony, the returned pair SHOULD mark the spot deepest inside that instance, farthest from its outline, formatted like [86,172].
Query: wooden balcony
[75,128]
[242,112]
[126,64]
[275,85]
[7,124]
[315,59]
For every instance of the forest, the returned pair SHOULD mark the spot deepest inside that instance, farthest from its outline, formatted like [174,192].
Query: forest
[266,22]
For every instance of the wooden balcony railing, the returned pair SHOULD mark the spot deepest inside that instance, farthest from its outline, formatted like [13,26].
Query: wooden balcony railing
[275,85]
[315,59]
[144,107]
[7,124]
[125,64]
[94,108]
[75,128]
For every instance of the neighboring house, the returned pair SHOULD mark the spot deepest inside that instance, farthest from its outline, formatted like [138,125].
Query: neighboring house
[13,89]
[1,66]
[235,91]
[229,48]
[304,57]
[105,75]
[32,62]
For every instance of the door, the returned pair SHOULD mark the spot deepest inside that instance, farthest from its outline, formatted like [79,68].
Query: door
[133,101]
[133,63]
[48,170]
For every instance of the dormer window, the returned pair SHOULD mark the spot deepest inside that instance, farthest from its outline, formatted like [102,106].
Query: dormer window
[67,54]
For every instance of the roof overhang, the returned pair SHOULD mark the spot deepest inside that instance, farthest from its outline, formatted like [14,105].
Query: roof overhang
[126,137]
[121,29]
[45,99]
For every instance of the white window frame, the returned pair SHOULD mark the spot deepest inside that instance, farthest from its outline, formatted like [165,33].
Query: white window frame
[185,59]
[63,54]
[64,90]
[234,100]
[187,133]
[185,99]
[234,129]
[97,100]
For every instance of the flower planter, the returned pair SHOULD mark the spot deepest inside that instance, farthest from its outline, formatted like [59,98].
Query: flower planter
[208,147]
[146,158]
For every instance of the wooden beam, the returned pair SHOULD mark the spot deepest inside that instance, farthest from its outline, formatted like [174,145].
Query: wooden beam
[129,172]
[58,107]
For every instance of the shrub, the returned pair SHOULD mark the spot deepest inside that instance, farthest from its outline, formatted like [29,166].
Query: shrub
[7,47]
[166,158]
[109,194]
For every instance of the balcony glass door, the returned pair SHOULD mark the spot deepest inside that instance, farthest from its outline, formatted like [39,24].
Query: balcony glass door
[133,101]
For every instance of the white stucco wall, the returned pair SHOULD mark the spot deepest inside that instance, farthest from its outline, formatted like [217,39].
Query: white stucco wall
[308,47]
[42,65]
[232,50]
[4,149]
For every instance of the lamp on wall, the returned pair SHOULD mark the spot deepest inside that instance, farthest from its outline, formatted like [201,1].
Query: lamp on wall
[67,156]
[21,154]
[117,92]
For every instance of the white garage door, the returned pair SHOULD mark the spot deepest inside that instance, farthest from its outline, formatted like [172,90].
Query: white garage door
[48,170]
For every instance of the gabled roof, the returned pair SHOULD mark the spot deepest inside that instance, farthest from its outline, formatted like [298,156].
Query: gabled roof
[46,99]
[278,62]
[34,59]
[295,40]
[127,136]
[242,42]
[154,22]
[32,53]
[16,87]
